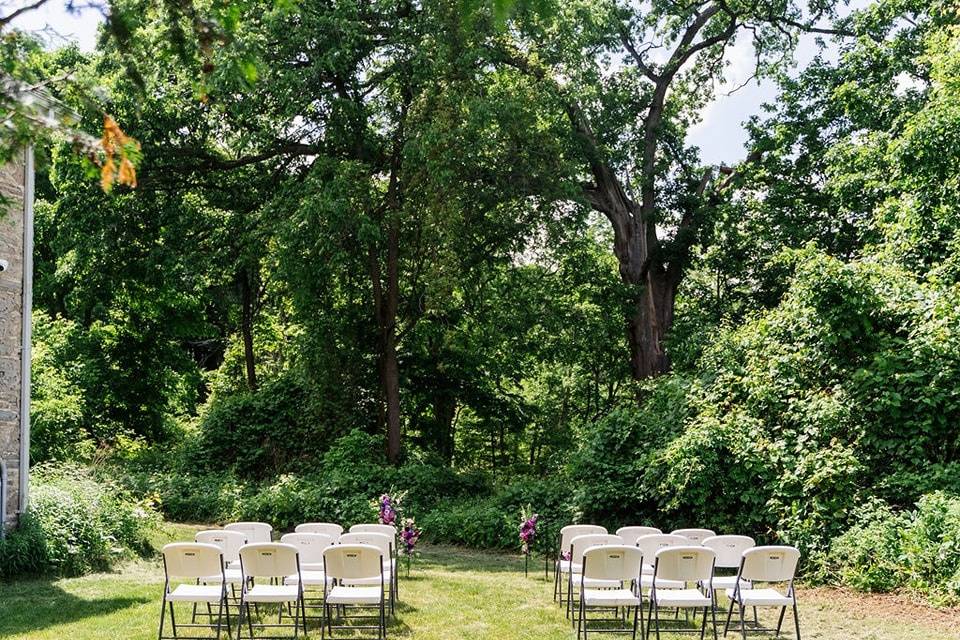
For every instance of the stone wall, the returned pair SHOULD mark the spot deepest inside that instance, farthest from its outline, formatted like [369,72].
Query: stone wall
[11,305]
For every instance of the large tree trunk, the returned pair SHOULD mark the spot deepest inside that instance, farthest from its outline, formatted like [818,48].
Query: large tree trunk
[648,325]
[390,384]
[248,287]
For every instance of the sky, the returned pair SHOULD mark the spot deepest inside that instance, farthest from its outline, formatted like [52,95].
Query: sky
[720,134]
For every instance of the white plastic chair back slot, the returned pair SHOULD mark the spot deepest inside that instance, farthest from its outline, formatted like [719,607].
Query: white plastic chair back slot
[770,564]
[381,541]
[630,534]
[729,549]
[651,544]
[385,529]
[310,545]
[229,542]
[582,543]
[192,560]
[327,528]
[255,531]
[353,561]
[696,536]
[611,562]
[268,560]
[685,564]
[571,531]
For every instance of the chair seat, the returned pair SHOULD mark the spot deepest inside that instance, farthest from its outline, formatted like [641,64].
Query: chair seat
[233,576]
[312,578]
[565,566]
[354,595]
[595,583]
[646,569]
[610,598]
[196,593]
[647,581]
[728,582]
[272,593]
[234,564]
[366,582]
[311,566]
[762,598]
[682,598]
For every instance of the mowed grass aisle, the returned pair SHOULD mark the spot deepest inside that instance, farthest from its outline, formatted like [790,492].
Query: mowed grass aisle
[451,594]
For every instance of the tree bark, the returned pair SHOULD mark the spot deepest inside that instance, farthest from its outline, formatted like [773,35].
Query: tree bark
[247,315]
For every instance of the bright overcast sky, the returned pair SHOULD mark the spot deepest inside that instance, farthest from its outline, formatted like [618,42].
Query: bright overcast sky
[720,135]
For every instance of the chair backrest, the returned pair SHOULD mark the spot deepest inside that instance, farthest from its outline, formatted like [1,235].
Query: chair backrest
[770,564]
[381,541]
[255,531]
[192,560]
[385,529]
[729,549]
[268,560]
[649,545]
[688,564]
[327,528]
[353,561]
[229,542]
[581,543]
[630,534]
[571,531]
[310,545]
[612,562]
[696,536]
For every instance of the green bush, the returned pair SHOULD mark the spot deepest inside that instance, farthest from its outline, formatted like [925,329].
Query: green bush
[76,524]
[887,550]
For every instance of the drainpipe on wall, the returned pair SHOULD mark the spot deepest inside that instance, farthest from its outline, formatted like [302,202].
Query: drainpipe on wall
[3,498]
[26,331]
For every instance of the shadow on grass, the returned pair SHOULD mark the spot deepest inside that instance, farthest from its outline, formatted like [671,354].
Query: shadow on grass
[32,605]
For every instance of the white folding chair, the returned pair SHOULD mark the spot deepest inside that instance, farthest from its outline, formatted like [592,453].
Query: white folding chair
[729,550]
[255,531]
[563,565]
[695,536]
[578,545]
[310,547]
[630,534]
[327,528]
[193,561]
[772,565]
[383,542]
[650,545]
[359,575]
[387,530]
[690,565]
[229,543]
[265,567]
[614,565]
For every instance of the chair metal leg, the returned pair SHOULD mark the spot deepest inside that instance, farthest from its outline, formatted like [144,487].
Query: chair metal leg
[656,616]
[163,614]
[173,621]
[649,619]
[713,613]
[796,618]
[783,612]
[703,625]
[636,617]
[726,627]
[743,624]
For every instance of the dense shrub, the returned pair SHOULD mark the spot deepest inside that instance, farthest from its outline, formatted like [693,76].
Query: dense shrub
[76,523]
[918,550]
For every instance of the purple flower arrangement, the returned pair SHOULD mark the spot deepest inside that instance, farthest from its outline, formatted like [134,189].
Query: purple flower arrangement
[528,530]
[409,536]
[387,512]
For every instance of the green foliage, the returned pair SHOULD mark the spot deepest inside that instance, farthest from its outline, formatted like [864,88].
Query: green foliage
[886,550]
[76,523]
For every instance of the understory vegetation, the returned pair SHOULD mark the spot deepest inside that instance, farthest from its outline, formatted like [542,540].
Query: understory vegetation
[408,260]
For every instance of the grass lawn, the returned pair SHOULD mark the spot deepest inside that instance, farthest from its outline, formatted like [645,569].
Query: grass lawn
[451,594]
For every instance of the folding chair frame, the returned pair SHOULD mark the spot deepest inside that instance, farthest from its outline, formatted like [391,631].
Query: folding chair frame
[653,614]
[223,614]
[380,616]
[299,617]
[582,623]
[736,600]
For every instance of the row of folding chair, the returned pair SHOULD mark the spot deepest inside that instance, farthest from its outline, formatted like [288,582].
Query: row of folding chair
[355,570]
[676,571]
